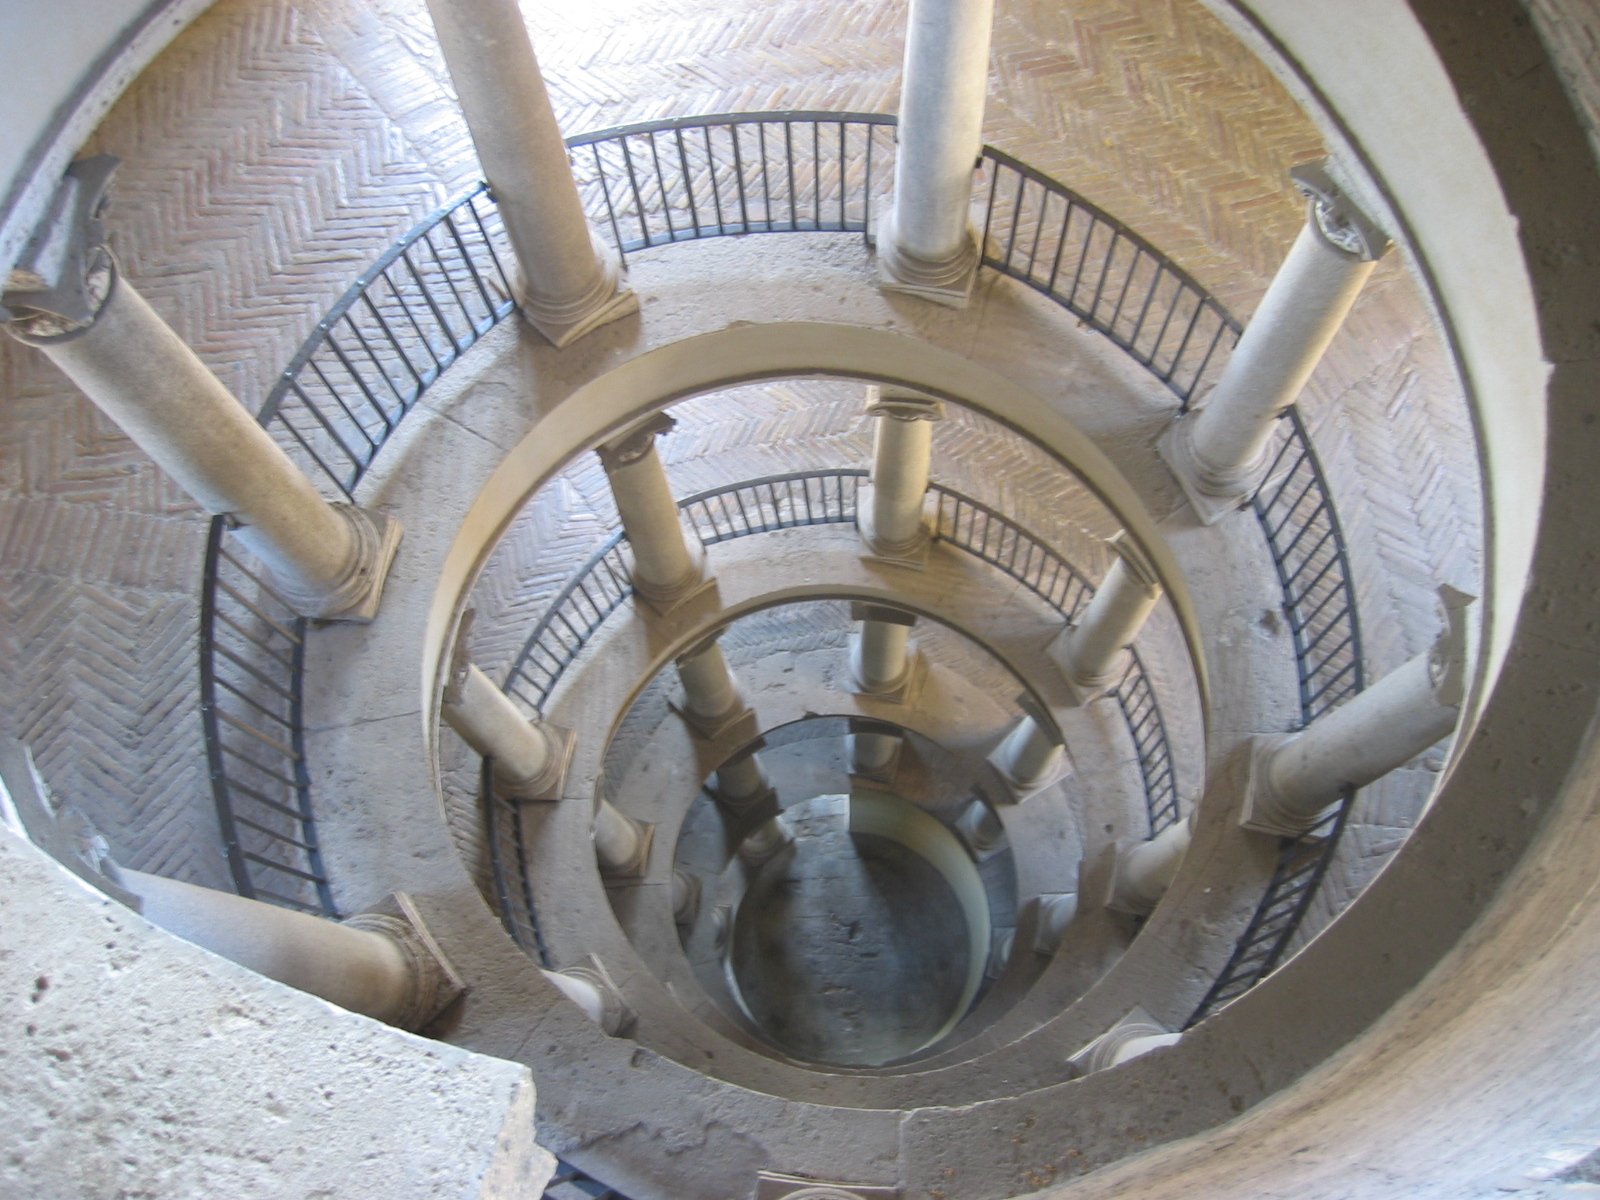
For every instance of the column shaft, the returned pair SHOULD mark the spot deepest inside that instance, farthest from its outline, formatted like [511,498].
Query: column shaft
[527,759]
[620,843]
[881,655]
[872,752]
[665,563]
[569,280]
[358,969]
[709,690]
[326,560]
[1145,870]
[902,455]
[925,244]
[1298,317]
[1295,777]
[1370,735]
[1087,652]
[1029,756]
[742,780]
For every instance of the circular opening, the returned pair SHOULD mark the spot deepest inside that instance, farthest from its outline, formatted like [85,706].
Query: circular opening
[849,948]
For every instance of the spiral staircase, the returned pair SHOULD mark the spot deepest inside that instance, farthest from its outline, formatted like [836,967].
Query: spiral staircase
[890,978]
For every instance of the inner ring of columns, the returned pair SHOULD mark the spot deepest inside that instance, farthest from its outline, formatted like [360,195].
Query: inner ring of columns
[631,844]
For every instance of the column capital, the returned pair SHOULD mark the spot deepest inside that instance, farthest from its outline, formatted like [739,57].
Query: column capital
[66,271]
[1335,216]
[635,442]
[904,405]
[1134,559]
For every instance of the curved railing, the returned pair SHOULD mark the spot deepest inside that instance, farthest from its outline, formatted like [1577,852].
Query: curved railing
[437,290]
[409,316]
[802,498]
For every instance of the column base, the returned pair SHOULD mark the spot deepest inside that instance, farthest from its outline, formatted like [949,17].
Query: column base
[1082,689]
[634,868]
[436,982]
[686,904]
[1212,498]
[608,300]
[355,599]
[1119,897]
[902,691]
[663,599]
[710,729]
[948,282]
[913,554]
[1264,811]
[547,785]
[1021,789]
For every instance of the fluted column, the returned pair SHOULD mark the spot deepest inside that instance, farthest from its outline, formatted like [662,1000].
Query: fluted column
[325,560]
[926,244]
[1295,777]
[1218,452]
[570,280]
[1144,870]
[1087,652]
[668,563]
[373,964]
[902,451]
[621,843]
[530,757]
[1030,756]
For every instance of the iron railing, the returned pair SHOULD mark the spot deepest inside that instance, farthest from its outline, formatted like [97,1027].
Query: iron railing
[1045,235]
[408,317]
[1302,863]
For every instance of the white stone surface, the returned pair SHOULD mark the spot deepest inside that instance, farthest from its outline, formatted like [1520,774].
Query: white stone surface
[137,1064]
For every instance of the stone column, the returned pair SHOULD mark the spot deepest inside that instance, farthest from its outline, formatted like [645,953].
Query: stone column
[1295,777]
[890,517]
[668,562]
[742,781]
[376,965]
[880,651]
[980,827]
[70,301]
[1144,870]
[570,280]
[872,752]
[1087,652]
[765,841]
[1030,756]
[1218,453]
[1056,914]
[621,843]
[926,244]
[530,758]
[711,698]
[594,993]
[1136,1034]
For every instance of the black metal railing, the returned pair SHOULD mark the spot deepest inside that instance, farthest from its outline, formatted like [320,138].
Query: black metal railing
[802,498]
[1302,863]
[408,317]
[677,180]
[1039,232]
[1302,529]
